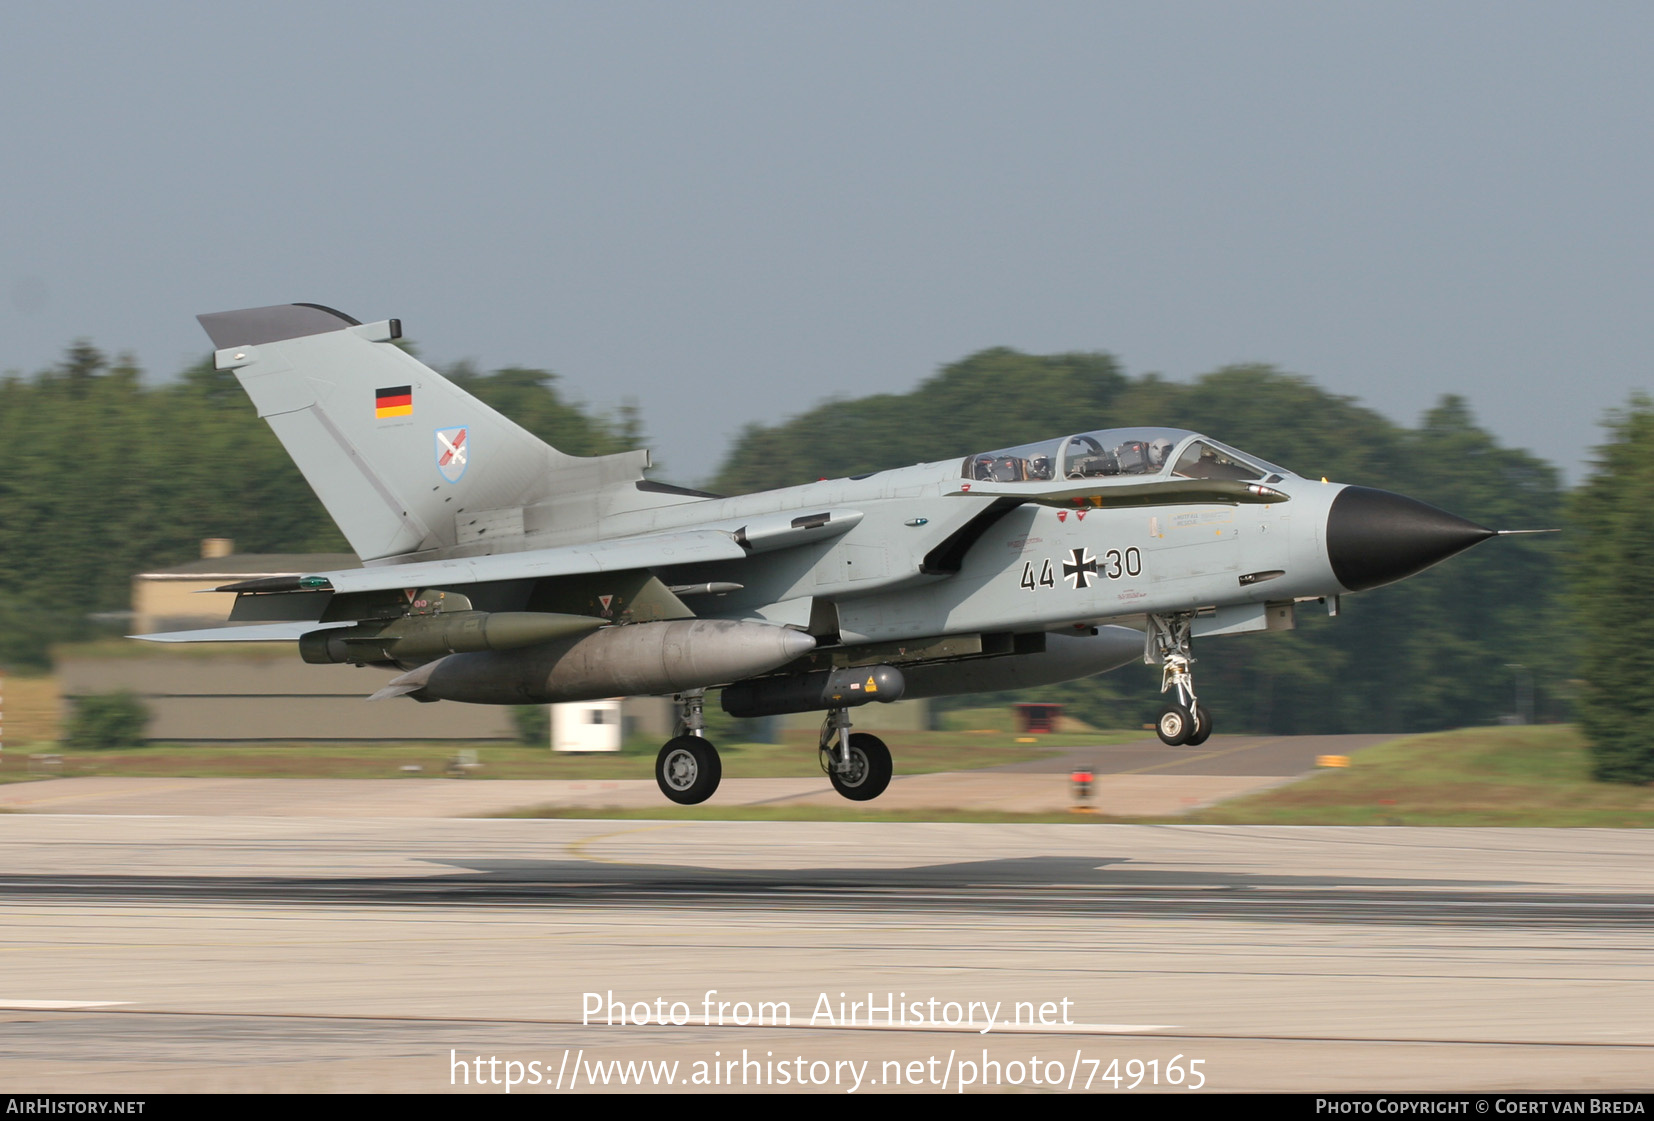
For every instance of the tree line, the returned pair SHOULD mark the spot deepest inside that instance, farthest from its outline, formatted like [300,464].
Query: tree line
[109,476]
[1449,647]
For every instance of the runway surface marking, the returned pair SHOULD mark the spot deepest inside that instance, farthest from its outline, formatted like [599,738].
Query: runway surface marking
[577,848]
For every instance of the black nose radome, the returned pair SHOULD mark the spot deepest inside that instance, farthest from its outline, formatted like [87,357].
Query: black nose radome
[1375,537]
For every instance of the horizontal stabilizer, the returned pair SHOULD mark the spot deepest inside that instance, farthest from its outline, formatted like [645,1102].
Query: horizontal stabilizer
[618,555]
[267,632]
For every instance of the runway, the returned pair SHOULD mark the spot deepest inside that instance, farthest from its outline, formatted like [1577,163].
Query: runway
[146,954]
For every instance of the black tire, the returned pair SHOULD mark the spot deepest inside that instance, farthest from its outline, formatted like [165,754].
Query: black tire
[688,770]
[1203,727]
[870,769]
[1175,726]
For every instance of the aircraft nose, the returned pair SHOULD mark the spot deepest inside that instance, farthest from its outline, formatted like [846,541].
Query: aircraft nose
[1375,537]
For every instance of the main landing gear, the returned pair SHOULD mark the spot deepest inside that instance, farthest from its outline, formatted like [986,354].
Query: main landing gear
[688,769]
[1184,720]
[860,766]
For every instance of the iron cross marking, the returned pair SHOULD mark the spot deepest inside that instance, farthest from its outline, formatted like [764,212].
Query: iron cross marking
[1075,571]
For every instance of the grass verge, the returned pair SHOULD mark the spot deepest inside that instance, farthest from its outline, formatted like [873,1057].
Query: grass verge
[1530,776]
[30,710]
[1535,776]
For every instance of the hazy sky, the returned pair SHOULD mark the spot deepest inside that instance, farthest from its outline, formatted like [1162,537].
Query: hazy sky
[732,211]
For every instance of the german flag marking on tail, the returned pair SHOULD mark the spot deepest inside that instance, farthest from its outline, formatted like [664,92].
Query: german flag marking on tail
[395,401]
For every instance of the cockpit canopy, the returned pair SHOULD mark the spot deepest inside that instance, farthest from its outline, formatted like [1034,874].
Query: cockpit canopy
[1114,452]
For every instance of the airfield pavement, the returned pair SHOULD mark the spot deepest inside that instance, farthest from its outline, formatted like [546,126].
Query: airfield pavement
[1139,779]
[157,940]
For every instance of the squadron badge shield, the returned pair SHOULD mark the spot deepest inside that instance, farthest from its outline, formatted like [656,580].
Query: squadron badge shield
[452,452]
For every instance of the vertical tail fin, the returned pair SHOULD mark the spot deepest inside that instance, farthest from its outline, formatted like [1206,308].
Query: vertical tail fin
[404,460]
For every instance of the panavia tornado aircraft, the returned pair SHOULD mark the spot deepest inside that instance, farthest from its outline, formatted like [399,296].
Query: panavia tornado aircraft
[498,570]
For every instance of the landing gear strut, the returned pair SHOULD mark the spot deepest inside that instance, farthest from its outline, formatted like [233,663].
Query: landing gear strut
[688,768]
[860,766]
[1185,720]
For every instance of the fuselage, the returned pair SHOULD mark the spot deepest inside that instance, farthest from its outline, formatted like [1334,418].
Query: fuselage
[1033,567]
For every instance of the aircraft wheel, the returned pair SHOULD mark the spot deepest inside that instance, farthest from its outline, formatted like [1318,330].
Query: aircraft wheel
[1203,726]
[870,769]
[688,769]
[1175,726]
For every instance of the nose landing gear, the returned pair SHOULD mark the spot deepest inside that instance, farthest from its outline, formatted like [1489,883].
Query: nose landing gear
[1184,721]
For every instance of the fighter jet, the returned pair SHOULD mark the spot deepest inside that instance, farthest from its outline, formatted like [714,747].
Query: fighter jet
[499,570]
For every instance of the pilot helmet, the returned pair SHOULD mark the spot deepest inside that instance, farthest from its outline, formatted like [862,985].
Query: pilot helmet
[1159,449]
